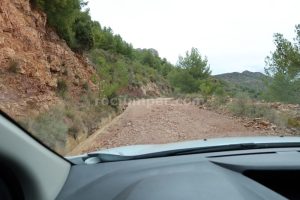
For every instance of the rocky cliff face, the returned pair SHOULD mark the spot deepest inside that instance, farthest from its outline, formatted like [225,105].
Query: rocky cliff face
[32,60]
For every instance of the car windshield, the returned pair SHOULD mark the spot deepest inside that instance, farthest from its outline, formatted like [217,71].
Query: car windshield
[83,76]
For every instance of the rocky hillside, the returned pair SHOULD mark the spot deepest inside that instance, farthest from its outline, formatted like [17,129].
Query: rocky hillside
[33,59]
[36,63]
[54,92]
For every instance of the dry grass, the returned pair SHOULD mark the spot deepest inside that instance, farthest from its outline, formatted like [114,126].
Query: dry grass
[69,121]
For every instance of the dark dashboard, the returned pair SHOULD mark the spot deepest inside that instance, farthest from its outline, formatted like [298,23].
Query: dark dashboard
[245,174]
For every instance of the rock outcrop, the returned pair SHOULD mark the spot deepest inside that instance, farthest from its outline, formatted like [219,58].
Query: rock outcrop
[32,60]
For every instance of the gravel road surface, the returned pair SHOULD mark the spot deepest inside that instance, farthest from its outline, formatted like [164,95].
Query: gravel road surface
[163,120]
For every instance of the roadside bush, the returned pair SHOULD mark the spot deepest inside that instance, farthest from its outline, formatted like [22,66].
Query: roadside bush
[218,101]
[92,116]
[70,112]
[240,106]
[13,66]
[62,88]
[276,117]
[74,130]
[294,122]
[50,128]
[85,86]
[54,126]
[244,107]
[73,113]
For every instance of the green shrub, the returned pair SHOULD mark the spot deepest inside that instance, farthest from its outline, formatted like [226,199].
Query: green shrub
[249,109]
[13,66]
[85,86]
[218,101]
[243,107]
[82,28]
[294,122]
[73,131]
[50,128]
[239,106]
[94,78]
[61,15]
[62,87]
[70,112]
[92,116]
[276,117]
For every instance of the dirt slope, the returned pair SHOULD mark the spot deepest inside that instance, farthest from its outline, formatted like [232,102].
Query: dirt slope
[163,120]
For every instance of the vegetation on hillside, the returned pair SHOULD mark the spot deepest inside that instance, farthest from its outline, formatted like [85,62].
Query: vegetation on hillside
[117,63]
[251,83]
[119,66]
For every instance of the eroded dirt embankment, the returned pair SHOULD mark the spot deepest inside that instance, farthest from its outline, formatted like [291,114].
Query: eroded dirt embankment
[163,120]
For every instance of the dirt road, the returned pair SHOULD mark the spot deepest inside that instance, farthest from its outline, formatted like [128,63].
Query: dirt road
[163,120]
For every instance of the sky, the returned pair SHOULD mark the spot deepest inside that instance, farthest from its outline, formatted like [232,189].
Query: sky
[235,35]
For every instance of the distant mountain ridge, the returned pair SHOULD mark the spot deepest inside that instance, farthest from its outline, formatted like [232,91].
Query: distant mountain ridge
[245,73]
[252,82]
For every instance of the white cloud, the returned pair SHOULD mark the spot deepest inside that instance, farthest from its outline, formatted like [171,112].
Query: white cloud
[235,35]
